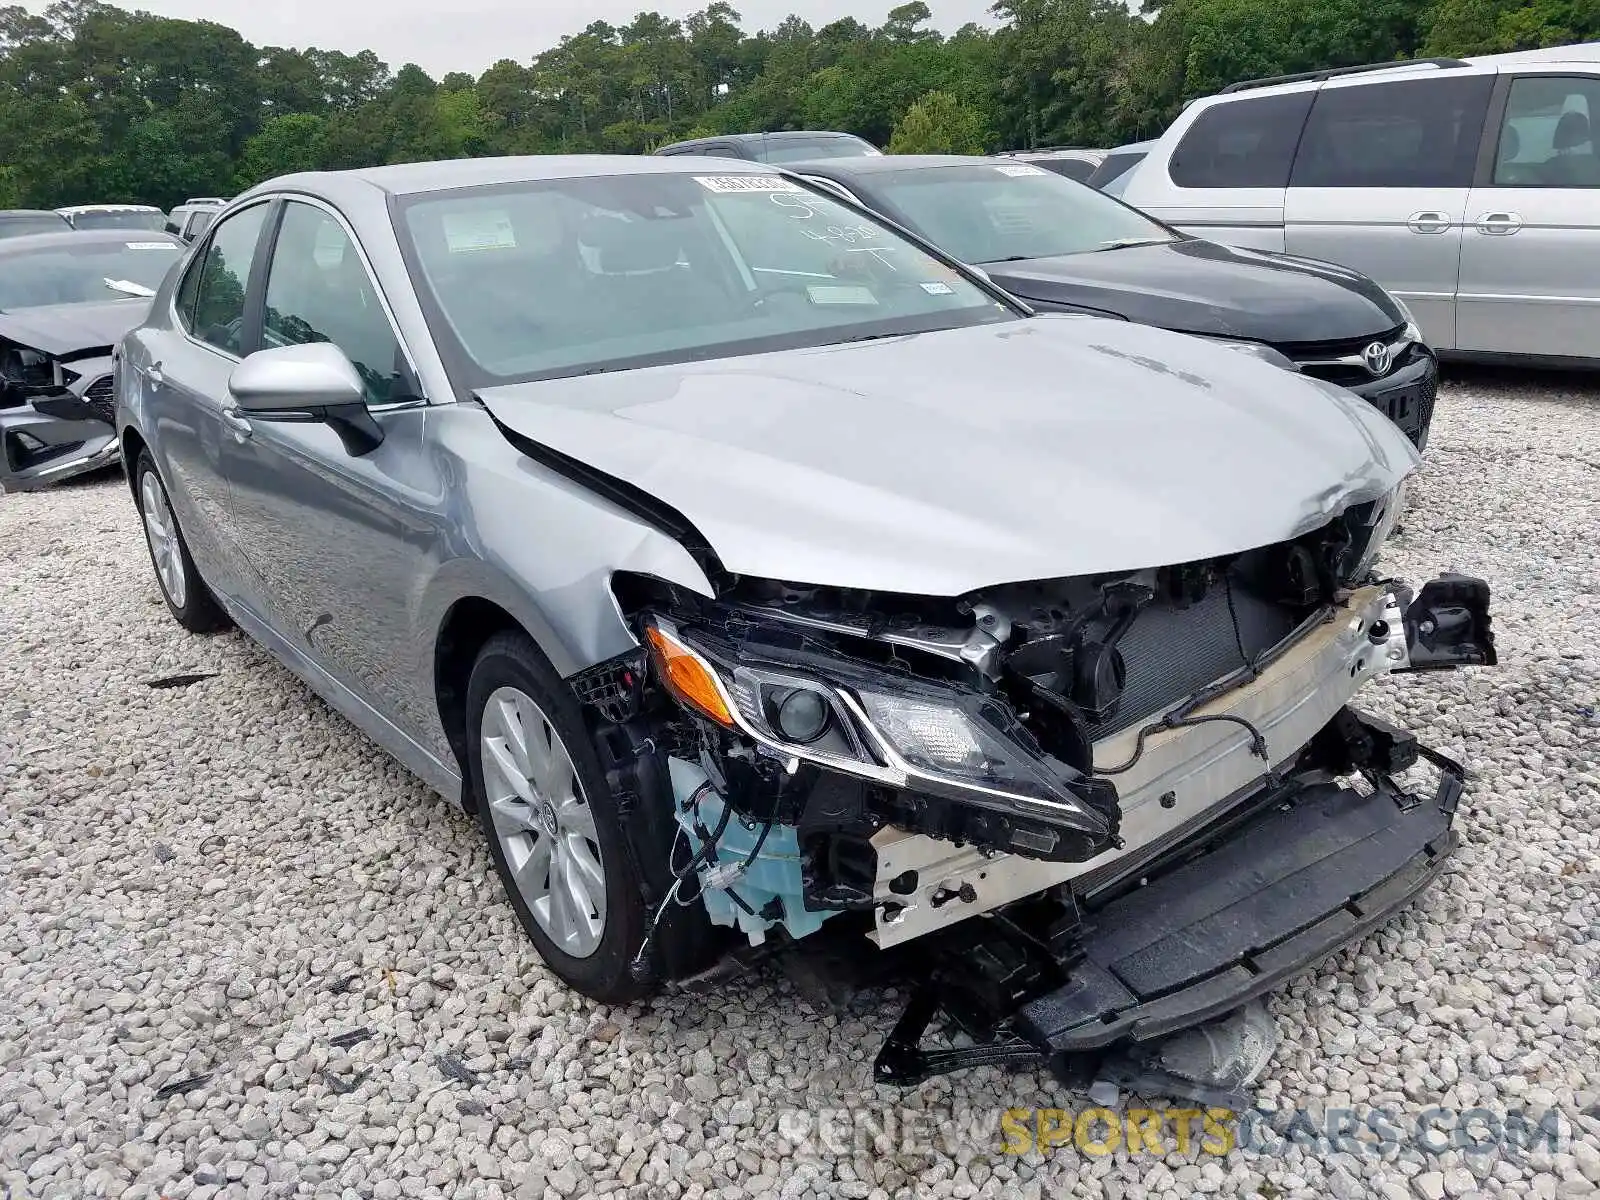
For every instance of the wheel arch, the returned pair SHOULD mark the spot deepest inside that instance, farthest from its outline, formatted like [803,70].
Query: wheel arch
[133,445]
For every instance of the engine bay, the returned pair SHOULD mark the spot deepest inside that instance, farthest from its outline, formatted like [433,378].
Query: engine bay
[796,728]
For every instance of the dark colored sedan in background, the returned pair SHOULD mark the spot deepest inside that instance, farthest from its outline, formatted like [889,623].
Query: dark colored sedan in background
[1065,247]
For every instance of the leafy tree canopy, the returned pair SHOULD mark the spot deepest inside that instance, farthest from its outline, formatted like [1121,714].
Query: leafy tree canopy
[101,104]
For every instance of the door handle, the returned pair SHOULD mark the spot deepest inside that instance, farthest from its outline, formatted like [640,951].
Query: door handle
[1428,222]
[235,420]
[1499,224]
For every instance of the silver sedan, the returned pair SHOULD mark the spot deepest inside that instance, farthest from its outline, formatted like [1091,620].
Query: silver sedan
[754,572]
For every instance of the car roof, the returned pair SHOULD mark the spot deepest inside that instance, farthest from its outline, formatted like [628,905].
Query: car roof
[1079,153]
[27,212]
[1584,53]
[777,135]
[888,164]
[75,209]
[79,237]
[410,178]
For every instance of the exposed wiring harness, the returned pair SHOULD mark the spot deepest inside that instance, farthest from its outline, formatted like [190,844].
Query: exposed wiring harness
[1181,718]
[1177,720]
[718,877]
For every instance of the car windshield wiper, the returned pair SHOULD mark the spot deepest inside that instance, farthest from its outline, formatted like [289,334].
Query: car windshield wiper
[128,288]
[872,337]
[1124,243]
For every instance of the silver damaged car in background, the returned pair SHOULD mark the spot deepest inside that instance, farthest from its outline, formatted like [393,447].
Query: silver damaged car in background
[760,576]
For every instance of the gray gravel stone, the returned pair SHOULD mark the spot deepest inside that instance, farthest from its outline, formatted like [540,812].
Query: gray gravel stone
[216,880]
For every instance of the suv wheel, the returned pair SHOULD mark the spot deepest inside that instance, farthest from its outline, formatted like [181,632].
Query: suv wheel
[186,594]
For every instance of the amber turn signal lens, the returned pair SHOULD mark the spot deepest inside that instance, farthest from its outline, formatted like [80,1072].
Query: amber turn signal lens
[688,678]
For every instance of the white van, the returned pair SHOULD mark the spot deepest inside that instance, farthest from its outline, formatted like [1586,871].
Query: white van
[1470,188]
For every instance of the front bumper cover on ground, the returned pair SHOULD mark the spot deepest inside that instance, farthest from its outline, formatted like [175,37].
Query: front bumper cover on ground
[1312,868]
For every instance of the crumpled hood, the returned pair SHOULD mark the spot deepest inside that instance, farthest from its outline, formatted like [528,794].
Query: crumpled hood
[1207,288]
[940,463]
[68,328]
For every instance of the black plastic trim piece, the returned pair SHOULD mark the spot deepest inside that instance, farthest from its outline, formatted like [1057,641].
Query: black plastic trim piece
[1315,867]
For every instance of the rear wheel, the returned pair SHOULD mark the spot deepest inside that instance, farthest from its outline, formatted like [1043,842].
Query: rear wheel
[186,594]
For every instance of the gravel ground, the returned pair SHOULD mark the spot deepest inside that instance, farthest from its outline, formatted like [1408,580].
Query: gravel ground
[211,882]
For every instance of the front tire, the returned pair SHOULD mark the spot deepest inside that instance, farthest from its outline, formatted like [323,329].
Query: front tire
[552,825]
[186,594]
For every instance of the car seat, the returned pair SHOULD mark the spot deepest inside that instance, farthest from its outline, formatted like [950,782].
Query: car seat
[1573,164]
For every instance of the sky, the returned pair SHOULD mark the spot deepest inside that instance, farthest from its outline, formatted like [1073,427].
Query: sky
[471,35]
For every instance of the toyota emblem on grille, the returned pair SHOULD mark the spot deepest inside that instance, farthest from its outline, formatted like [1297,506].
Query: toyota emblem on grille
[1378,358]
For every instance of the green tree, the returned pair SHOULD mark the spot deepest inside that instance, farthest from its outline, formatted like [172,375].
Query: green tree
[288,143]
[1457,27]
[937,124]
[97,102]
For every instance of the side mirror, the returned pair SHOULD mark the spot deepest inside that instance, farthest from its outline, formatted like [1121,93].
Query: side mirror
[304,378]
[309,382]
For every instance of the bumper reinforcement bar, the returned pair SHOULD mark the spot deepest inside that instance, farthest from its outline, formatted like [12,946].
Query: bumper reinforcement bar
[1318,867]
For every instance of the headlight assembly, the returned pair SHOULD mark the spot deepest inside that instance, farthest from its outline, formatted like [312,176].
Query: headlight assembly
[879,727]
[1385,516]
[1413,331]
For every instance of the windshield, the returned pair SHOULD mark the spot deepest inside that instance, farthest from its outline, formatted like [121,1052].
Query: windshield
[1073,168]
[1115,167]
[999,212]
[22,226]
[124,219]
[572,276]
[84,274]
[791,150]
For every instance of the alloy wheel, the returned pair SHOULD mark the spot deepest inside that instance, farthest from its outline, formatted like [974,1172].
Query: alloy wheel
[543,821]
[162,531]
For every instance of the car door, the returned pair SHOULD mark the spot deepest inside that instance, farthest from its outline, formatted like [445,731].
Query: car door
[334,545]
[183,371]
[1530,253]
[1225,177]
[1380,185]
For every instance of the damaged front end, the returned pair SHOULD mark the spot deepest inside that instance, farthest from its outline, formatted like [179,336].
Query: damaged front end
[1139,781]
[57,414]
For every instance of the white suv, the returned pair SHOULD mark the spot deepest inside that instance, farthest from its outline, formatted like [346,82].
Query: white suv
[1467,187]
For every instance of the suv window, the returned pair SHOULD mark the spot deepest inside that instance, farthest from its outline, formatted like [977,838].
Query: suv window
[1546,139]
[211,298]
[318,290]
[1411,133]
[1241,143]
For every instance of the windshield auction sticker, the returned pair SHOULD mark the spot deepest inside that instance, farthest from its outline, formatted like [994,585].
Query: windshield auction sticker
[150,245]
[745,183]
[465,232]
[1016,169]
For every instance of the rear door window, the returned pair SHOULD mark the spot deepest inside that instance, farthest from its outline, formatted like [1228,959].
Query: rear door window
[1241,143]
[1546,138]
[214,290]
[1416,133]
